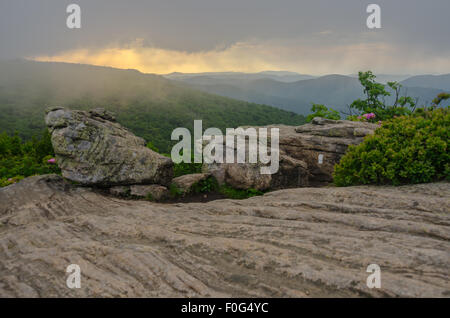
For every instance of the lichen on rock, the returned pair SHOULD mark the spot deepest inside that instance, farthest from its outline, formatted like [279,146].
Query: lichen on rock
[92,149]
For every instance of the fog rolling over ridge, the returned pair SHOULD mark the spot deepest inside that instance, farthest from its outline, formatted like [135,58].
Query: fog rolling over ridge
[149,105]
[227,77]
[336,91]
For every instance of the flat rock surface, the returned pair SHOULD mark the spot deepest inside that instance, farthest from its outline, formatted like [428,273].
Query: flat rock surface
[308,242]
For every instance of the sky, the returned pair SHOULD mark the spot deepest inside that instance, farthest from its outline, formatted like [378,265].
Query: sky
[314,37]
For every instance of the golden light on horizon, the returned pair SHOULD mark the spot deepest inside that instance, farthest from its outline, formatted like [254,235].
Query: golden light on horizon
[255,57]
[163,61]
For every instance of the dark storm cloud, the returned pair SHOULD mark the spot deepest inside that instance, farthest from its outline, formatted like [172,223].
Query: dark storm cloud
[38,27]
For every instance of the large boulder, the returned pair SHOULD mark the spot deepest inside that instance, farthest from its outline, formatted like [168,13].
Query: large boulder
[308,154]
[92,149]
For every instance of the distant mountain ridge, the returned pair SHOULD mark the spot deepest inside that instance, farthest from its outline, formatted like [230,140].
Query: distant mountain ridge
[429,81]
[281,76]
[384,78]
[336,91]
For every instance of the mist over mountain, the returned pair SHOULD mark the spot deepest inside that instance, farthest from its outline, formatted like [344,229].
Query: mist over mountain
[150,105]
[336,91]
[429,81]
[384,78]
[229,77]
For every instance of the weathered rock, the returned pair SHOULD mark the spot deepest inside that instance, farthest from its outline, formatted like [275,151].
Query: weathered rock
[326,137]
[186,182]
[300,148]
[152,192]
[92,149]
[308,242]
[120,191]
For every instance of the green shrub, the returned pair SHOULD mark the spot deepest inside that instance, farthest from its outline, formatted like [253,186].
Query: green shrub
[182,168]
[319,110]
[20,159]
[151,146]
[206,186]
[407,149]
[233,193]
[175,192]
[8,181]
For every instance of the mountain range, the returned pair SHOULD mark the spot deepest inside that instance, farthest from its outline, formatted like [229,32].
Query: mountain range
[335,91]
[153,105]
[281,76]
[441,82]
[149,105]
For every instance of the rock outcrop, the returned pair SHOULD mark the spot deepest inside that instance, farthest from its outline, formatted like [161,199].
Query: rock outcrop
[308,242]
[186,182]
[308,154]
[152,192]
[92,149]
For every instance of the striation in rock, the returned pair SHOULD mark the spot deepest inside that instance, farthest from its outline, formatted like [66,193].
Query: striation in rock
[308,242]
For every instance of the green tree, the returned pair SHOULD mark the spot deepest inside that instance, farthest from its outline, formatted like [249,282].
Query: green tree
[319,110]
[375,98]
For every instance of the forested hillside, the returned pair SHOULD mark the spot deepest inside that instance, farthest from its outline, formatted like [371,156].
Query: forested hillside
[150,105]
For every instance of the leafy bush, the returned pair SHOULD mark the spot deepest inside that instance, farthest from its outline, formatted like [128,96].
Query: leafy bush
[151,146]
[407,149]
[374,102]
[8,181]
[233,193]
[182,168]
[319,110]
[206,186]
[175,191]
[23,159]
[210,185]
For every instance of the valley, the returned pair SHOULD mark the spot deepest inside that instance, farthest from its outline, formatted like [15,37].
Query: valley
[149,105]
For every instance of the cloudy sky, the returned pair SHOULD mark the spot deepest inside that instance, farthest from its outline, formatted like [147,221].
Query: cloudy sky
[162,36]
